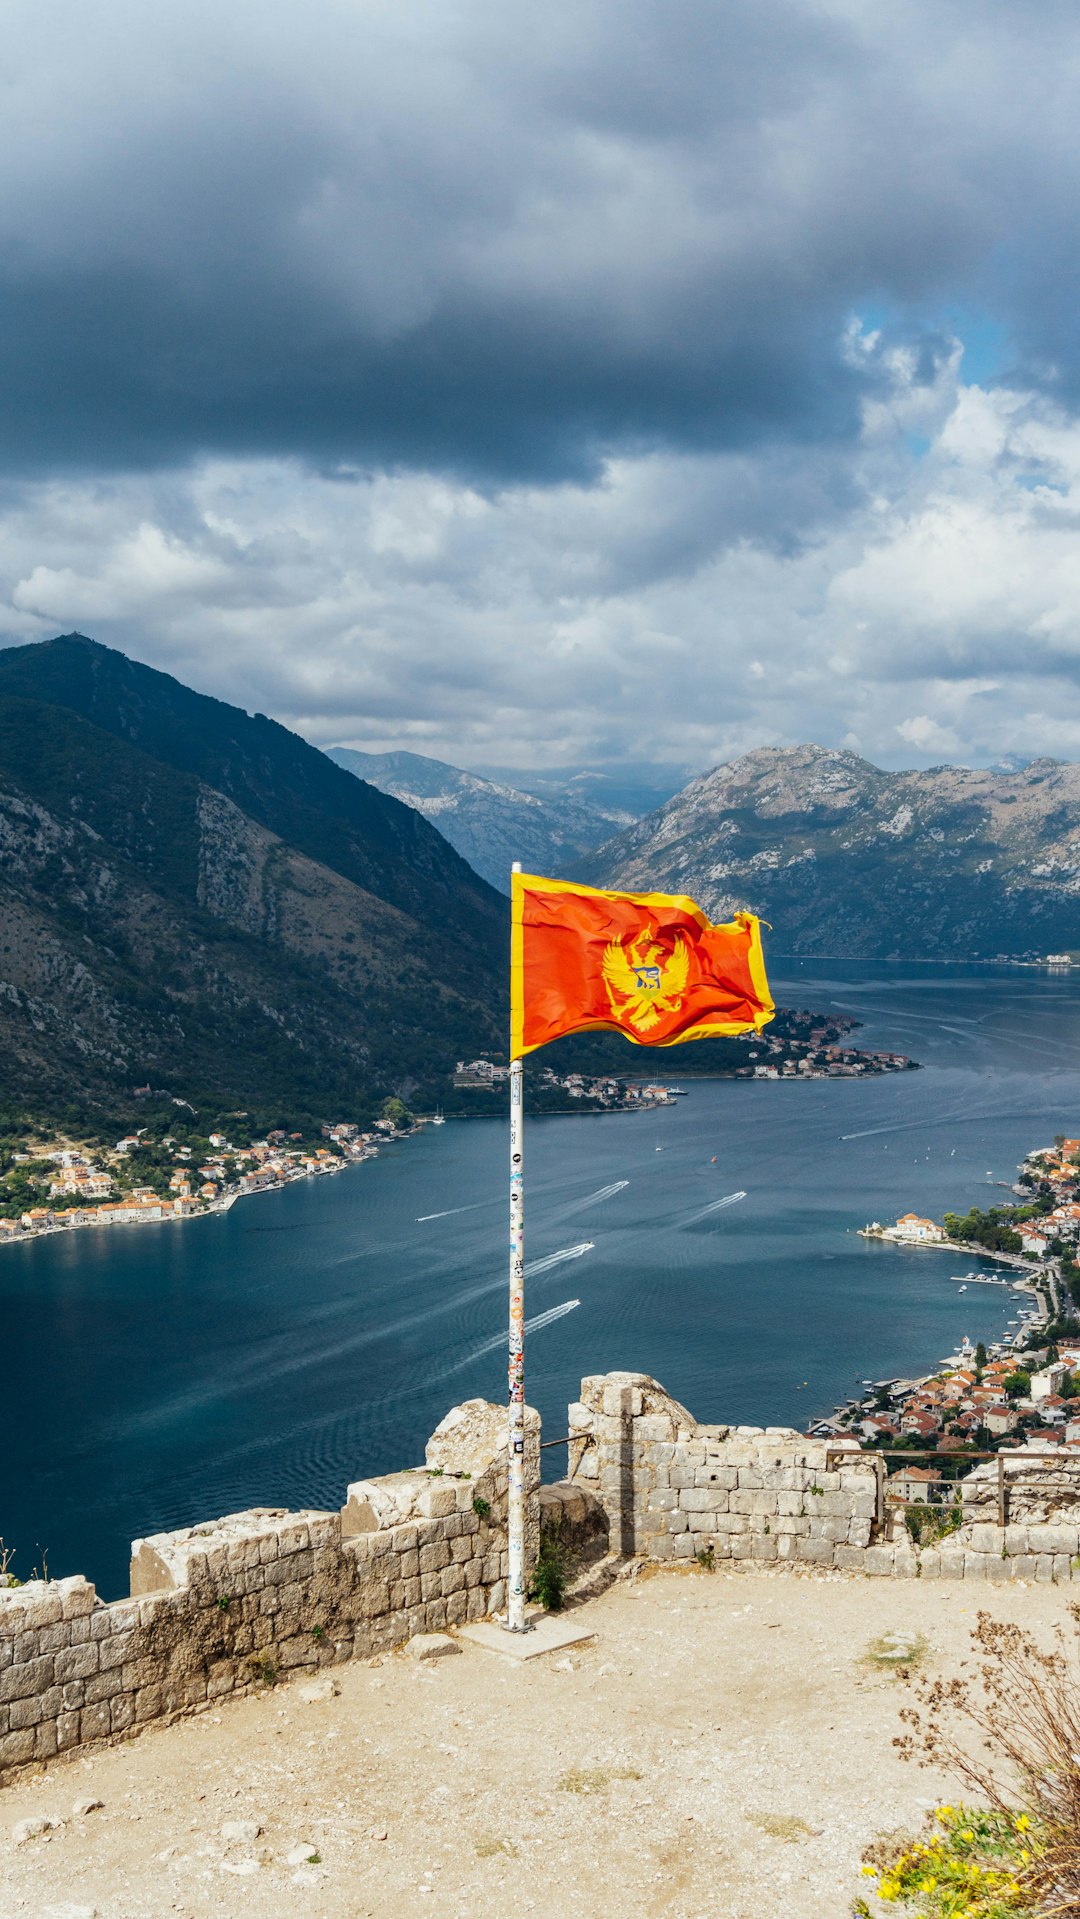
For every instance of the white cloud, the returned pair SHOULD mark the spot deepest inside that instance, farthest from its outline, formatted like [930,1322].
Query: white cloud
[923,603]
[926,736]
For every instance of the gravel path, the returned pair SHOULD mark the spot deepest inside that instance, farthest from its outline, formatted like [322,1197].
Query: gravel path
[722,1751]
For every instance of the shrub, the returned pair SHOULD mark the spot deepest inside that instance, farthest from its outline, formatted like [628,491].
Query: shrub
[1008,1728]
[549,1577]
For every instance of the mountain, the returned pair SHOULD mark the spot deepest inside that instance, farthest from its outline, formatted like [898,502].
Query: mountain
[198,899]
[617,798]
[843,858]
[490,823]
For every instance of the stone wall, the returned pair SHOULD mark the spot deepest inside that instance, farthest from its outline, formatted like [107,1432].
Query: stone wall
[227,1606]
[674,1489]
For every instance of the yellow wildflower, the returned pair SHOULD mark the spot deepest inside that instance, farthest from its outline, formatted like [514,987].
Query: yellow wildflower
[869,1872]
[1023,1822]
[968,1834]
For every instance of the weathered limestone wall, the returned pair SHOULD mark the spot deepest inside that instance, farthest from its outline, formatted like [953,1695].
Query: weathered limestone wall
[226,1606]
[674,1489]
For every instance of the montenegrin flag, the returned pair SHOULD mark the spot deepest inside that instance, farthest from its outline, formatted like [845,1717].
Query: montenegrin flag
[649,965]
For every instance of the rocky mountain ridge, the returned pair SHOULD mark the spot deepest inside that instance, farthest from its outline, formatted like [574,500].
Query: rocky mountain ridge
[844,858]
[155,929]
[488,821]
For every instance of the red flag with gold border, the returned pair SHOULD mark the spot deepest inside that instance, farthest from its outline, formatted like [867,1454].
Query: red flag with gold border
[649,965]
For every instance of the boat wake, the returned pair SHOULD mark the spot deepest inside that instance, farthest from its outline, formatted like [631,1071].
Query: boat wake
[451,1210]
[591,1199]
[499,1339]
[535,1267]
[717,1206]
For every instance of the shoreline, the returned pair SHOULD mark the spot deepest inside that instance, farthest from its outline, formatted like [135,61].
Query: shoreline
[1037,1282]
[222,1204]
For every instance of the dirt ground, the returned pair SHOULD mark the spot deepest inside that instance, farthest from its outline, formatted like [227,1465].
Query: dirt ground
[723,1750]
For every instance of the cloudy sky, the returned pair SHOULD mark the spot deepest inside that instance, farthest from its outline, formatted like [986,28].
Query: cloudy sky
[613,380]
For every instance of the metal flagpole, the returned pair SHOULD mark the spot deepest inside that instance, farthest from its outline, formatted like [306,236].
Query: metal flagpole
[515,1513]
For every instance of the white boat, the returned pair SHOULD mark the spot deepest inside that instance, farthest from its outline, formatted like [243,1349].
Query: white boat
[438,1119]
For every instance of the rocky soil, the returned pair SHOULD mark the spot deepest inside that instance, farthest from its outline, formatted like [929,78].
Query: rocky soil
[723,1748]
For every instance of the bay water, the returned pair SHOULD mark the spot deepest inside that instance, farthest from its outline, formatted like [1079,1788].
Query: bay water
[163,1375]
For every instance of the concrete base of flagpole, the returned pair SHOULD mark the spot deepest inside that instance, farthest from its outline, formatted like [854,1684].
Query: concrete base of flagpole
[545,1632]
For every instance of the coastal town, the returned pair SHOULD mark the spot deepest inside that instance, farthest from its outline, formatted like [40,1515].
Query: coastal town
[155,1174]
[173,1179]
[1023,1389]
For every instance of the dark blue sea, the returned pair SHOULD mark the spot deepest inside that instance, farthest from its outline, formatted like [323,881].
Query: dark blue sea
[160,1375]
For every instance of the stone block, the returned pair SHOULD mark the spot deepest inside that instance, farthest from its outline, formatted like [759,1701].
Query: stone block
[816,1552]
[849,1557]
[879,1560]
[122,1712]
[985,1538]
[1053,1539]
[975,1565]
[696,1499]
[76,1662]
[1044,1568]
[434,1556]
[102,1685]
[26,1680]
[16,1747]
[94,1722]
[662,1500]
[67,1730]
[998,1569]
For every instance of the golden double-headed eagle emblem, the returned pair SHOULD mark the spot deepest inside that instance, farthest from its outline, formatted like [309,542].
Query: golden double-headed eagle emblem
[642,985]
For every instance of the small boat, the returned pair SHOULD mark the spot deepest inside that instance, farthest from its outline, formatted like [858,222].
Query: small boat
[438,1119]
[963,1289]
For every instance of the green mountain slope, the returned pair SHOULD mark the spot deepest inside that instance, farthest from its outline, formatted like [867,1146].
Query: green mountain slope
[274,777]
[842,858]
[153,931]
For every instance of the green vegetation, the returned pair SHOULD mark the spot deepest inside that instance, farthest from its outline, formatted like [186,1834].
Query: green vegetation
[970,1862]
[992,1229]
[927,1524]
[549,1575]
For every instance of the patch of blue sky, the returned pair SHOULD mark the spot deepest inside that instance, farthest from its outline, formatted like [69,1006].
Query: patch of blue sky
[985,340]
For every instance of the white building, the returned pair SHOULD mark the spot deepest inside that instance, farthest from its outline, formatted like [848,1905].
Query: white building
[921,1232]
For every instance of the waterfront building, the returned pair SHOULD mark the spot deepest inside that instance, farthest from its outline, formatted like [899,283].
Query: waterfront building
[911,1226]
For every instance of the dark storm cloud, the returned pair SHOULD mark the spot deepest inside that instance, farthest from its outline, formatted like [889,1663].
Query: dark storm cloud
[497,240]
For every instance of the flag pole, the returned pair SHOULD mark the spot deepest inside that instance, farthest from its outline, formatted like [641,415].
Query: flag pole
[515,1438]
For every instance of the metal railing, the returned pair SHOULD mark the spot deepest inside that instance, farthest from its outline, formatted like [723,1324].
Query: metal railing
[882,1475]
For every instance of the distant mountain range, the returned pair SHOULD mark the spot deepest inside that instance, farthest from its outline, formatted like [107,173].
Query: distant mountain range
[195,898]
[492,822]
[843,858]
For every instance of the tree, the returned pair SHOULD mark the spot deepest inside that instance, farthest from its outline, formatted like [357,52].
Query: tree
[980,1359]
[1017,1385]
